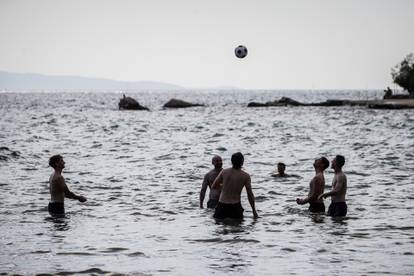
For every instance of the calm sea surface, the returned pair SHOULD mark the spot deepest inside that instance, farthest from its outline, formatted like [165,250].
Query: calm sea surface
[142,171]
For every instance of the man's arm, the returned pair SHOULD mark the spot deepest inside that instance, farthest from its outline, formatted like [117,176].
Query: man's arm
[203,190]
[68,193]
[311,195]
[250,196]
[217,182]
[340,180]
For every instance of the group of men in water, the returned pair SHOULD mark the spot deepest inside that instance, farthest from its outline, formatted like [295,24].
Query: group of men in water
[226,186]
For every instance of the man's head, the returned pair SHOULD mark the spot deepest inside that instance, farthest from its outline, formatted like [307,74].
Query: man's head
[338,162]
[237,160]
[217,162]
[321,163]
[56,162]
[281,168]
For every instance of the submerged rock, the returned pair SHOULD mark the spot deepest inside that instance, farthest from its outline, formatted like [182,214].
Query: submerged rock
[175,103]
[254,104]
[130,103]
[285,101]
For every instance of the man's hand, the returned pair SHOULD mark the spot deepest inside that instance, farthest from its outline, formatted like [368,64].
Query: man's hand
[321,196]
[299,201]
[81,198]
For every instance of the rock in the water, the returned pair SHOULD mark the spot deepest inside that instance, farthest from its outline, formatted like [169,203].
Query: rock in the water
[130,103]
[174,103]
[284,101]
[289,101]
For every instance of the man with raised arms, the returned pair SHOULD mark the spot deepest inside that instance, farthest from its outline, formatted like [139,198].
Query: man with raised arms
[316,187]
[232,181]
[208,182]
[338,207]
[57,187]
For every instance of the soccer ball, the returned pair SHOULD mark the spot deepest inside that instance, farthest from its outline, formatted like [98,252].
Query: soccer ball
[240,51]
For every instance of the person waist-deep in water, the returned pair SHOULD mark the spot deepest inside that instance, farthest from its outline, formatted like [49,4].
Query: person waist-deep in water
[208,182]
[316,187]
[338,207]
[232,181]
[58,188]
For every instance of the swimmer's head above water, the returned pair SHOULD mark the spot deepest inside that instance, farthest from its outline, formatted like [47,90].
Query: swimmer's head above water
[281,167]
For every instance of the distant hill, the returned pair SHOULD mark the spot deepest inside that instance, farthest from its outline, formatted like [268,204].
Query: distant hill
[30,81]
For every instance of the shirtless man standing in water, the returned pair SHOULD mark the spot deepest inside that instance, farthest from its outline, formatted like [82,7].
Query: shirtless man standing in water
[316,186]
[233,180]
[338,207]
[57,187]
[208,182]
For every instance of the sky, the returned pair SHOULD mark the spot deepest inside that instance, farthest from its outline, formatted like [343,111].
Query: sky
[292,44]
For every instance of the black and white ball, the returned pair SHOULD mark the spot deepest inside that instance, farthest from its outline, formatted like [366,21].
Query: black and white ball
[240,51]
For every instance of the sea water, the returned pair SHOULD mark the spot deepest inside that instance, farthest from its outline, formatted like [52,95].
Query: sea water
[141,172]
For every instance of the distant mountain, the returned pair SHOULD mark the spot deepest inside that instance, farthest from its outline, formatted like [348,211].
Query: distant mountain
[30,81]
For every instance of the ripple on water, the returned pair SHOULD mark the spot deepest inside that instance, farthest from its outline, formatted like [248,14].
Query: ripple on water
[151,168]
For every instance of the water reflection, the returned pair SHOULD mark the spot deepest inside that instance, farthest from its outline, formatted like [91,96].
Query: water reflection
[59,222]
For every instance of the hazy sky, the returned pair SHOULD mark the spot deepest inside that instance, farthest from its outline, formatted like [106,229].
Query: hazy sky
[309,44]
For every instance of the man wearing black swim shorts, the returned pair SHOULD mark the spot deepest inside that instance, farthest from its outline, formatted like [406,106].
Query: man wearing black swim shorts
[338,207]
[316,187]
[57,187]
[232,181]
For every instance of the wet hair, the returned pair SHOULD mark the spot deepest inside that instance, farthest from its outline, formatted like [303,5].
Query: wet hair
[237,160]
[281,164]
[340,160]
[325,163]
[54,160]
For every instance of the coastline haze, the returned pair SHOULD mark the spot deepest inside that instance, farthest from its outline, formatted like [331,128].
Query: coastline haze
[292,45]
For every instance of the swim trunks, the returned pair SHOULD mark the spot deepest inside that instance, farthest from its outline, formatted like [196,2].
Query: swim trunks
[337,209]
[227,210]
[315,207]
[56,208]
[212,203]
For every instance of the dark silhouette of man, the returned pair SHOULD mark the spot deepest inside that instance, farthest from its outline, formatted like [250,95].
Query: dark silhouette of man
[208,182]
[58,188]
[232,181]
[316,187]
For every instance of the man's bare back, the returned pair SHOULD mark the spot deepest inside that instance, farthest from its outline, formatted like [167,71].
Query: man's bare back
[233,182]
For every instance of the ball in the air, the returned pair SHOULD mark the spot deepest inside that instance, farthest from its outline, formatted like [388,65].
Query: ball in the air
[240,51]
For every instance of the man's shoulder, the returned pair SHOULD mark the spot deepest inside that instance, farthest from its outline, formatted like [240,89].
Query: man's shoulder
[245,173]
[212,173]
[342,175]
[57,179]
[318,178]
